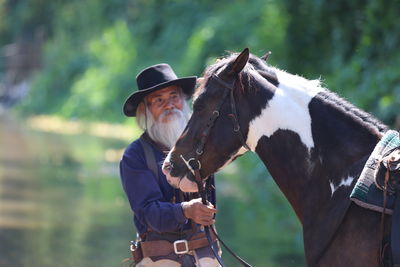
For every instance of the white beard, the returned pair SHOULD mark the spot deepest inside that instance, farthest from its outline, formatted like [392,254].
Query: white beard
[167,133]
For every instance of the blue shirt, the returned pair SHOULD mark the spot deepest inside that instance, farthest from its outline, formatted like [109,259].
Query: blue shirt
[151,198]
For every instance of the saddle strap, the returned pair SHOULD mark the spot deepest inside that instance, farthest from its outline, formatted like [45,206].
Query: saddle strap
[164,247]
[150,158]
[395,231]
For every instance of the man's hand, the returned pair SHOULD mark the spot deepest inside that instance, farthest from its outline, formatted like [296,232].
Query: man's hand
[198,212]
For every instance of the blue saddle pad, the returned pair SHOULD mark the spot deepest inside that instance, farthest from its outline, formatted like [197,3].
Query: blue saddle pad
[366,193]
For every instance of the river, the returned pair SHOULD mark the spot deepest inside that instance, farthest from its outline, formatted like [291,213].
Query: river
[61,203]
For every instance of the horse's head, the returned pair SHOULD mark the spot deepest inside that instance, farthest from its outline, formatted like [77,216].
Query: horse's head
[216,133]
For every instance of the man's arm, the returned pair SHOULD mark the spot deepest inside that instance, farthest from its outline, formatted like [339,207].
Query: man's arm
[145,197]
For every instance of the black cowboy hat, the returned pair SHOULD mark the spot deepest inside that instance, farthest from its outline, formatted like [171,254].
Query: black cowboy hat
[152,79]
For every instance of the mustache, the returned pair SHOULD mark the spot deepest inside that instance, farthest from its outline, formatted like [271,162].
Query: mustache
[167,133]
[173,111]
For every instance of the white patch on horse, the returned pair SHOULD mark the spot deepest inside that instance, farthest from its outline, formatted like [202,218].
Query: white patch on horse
[345,182]
[287,110]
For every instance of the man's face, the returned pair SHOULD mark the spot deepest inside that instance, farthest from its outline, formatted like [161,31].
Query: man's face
[164,99]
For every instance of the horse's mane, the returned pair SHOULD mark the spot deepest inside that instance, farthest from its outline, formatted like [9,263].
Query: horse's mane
[269,73]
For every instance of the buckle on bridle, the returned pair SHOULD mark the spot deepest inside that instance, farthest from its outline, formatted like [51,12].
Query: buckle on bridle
[190,167]
[182,241]
[196,161]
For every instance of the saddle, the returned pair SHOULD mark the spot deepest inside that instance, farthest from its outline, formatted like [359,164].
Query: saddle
[378,188]
[368,190]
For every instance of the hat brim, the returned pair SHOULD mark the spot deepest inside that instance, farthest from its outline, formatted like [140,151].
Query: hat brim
[131,103]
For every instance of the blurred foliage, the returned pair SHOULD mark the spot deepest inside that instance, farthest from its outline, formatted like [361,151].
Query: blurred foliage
[254,218]
[353,46]
[94,49]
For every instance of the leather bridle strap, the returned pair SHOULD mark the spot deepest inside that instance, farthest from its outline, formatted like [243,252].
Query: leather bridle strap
[195,169]
[210,124]
[233,115]
[203,194]
[236,125]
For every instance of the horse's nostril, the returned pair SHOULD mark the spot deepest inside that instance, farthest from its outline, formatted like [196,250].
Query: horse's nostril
[167,166]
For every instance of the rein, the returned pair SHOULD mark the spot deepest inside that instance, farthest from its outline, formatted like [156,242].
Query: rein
[196,166]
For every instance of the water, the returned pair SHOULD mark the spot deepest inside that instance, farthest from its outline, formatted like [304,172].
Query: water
[61,204]
[60,200]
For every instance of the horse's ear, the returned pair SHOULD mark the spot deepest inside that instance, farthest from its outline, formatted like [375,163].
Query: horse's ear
[266,56]
[240,62]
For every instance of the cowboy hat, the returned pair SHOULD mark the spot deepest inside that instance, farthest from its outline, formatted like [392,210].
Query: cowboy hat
[152,79]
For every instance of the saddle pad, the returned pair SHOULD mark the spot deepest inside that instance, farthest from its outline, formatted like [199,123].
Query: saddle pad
[365,192]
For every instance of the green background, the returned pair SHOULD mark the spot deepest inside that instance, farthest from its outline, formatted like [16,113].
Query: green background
[61,202]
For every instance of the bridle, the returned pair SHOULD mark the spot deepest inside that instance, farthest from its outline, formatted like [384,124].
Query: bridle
[228,89]
[193,164]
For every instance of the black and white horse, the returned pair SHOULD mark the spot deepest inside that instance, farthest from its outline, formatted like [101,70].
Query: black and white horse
[313,143]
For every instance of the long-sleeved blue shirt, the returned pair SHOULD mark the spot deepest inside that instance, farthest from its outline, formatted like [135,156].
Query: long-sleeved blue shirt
[151,198]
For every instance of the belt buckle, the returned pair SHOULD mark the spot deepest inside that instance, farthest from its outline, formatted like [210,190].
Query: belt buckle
[182,241]
[133,246]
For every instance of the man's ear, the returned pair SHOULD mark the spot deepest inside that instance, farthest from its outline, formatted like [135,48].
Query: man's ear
[141,108]
[239,63]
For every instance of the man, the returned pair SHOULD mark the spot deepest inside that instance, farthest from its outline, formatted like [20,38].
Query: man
[167,221]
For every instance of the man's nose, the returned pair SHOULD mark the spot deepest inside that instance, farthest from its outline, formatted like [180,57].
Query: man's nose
[169,104]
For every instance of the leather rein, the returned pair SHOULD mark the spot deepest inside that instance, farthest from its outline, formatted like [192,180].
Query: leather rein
[193,164]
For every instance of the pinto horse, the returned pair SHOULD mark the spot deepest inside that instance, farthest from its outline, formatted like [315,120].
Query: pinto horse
[313,143]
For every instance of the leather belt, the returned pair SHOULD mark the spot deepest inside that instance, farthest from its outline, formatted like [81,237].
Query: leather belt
[182,246]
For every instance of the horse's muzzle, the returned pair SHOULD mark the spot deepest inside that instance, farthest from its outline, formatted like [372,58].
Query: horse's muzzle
[182,183]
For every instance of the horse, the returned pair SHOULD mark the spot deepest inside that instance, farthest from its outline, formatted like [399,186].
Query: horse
[313,142]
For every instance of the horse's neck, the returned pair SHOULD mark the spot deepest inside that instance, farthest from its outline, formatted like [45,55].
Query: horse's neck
[287,109]
[307,144]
